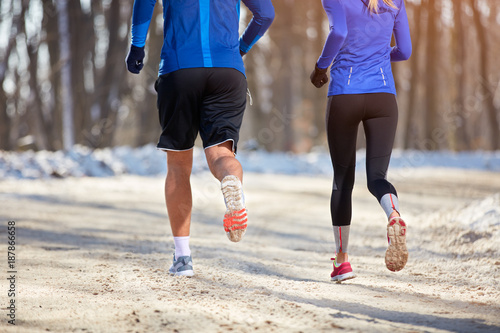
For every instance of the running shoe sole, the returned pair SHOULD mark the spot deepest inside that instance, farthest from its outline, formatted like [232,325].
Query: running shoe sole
[235,219]
[188,273]
[396,255]
[344,277]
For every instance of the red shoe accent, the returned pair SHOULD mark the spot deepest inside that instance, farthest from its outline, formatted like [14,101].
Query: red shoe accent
[236,220]
[397,219]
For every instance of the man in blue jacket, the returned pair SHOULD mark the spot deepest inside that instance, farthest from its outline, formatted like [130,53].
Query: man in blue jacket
[201,88]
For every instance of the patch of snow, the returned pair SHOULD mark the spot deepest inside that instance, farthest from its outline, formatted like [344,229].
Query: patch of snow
[148,161]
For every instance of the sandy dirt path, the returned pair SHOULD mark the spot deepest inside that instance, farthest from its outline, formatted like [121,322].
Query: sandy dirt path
[93,256]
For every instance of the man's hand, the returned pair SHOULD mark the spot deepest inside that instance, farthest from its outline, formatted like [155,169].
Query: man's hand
[319,77]
[135,59]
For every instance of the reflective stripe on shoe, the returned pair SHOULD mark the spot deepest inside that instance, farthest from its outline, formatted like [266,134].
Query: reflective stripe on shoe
[236,220]
[396,255]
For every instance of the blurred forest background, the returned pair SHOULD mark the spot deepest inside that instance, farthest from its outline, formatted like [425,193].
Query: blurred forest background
[63,79]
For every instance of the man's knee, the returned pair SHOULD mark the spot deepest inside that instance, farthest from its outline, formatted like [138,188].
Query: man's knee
[179,163]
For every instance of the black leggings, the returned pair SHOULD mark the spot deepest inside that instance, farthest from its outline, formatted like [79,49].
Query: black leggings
[379,114]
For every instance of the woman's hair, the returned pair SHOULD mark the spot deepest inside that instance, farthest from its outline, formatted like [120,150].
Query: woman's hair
[373,5]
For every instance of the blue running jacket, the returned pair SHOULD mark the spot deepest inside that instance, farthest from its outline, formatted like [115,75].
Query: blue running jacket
[202,33]
[359,44]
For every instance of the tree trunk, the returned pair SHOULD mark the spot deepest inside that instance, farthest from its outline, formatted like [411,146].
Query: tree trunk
[457,114]
[149,128]
[319,95]
[108,92]
[256,120]
[280,123]
[37,121]
[5,120]
[66,89]
[54,121]
[411,128]
[432,81]
[81,30]
[487,91]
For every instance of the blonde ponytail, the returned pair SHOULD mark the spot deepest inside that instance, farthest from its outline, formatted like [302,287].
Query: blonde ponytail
[373,5]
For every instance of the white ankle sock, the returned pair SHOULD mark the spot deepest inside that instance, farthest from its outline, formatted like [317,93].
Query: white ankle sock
[182,246]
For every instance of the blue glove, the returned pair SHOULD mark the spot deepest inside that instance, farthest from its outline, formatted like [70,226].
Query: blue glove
[135,59]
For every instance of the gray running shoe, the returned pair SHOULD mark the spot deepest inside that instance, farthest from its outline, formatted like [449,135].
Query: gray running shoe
[182,266]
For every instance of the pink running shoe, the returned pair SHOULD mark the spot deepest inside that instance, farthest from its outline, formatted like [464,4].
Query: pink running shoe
[396,255]
[342,272]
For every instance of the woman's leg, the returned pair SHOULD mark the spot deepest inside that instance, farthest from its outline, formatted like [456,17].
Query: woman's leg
[344,113]
[380,124]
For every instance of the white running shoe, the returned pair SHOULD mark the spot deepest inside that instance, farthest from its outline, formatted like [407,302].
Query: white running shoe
[235,219]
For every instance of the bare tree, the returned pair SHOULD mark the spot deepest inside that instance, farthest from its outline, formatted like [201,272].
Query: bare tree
[51,29]
[432,76]
[149,128]
[82,94]
[66,89]
[410,125]
[457,113]
[37,120]
[318,95]
[5,121]
[82,43]
[485,86]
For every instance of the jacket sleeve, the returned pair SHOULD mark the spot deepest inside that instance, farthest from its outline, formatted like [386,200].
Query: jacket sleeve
[263,16]
[338,32]
[402,50]
[141,18]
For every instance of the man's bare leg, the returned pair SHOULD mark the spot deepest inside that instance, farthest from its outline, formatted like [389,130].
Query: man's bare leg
[178,195]
[179,204]
[222,162]
[227,169]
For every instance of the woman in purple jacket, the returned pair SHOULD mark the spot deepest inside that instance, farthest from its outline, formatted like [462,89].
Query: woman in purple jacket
[362,90]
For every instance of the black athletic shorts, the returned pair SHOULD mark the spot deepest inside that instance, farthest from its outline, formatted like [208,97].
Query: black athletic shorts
[206,100]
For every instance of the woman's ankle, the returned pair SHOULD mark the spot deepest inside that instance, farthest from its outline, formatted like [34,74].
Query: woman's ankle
[394,214]
[341,258]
